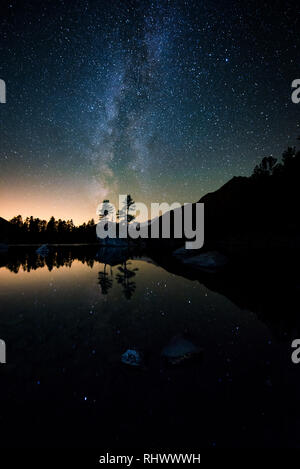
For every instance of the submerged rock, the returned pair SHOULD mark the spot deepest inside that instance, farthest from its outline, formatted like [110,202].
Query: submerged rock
[132,357]
[113,242]
[182,253]
[43,250]
[112,256]
[180,349]
[210,261]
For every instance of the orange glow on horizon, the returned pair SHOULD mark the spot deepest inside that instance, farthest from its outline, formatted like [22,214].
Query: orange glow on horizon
[46,204]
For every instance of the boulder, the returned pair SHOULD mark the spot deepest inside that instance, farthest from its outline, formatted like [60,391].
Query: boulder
[112,255]
[132,357]
[114,242]
[3,247]
[43,250]
[210,261]
[183,253]
[180,349]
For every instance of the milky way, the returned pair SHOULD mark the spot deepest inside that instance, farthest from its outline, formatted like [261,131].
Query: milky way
[165,100]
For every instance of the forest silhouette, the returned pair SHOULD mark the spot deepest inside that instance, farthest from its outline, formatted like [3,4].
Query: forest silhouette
[242,205]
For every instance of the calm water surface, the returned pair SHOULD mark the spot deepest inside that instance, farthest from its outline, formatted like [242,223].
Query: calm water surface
[64,383]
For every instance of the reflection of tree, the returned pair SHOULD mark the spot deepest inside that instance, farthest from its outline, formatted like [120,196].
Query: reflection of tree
[28,259]
[124,278]
[105,281]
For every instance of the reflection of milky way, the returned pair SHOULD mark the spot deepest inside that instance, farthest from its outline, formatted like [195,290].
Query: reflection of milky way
[163,99]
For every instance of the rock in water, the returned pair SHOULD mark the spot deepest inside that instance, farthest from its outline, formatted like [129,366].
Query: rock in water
[113,242]
[208,261]
[132,358]
[182,253]
[180,349]
[112,255]
[43,250]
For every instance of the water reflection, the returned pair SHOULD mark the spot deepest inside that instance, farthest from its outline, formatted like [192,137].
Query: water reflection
[27,259]
[68,322]
[273,297]
[105,280]
[125,278]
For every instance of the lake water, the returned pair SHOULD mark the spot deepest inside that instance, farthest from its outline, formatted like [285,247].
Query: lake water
[66,325]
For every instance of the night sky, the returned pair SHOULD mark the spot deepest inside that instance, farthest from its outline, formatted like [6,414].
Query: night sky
[165,100]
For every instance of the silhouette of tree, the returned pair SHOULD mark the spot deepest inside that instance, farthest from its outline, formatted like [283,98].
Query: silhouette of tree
[108,210]
[18,221]
[288,155]
[51,229]
[128,206]
[266,167]
[289,167]
[34,228]
[42,227]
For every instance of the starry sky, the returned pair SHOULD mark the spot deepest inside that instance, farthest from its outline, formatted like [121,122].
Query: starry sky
[165,100]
